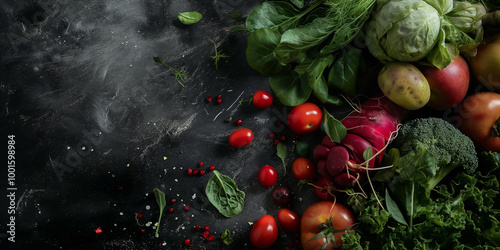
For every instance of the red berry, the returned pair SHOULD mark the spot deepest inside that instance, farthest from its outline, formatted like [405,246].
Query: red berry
[98,230]
[282,138]
[212,168]
[186,207]
[272,135]
[187,242]
[171,210]
[209,99]
[200,164]
[173,200]
[197,227]
[202,172]
[276,141]
[219,101]
[239,122]
[143,230]
[190,171]
[206,228]
[195,172]
[139,215]
[205,234]
[219,96]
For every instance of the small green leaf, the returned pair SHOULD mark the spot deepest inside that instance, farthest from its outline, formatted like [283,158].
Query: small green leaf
[160,199]
[368,154]
[302,148]
[393,208]
[225,195]
[333,127]
[226,237]
[189,18]
[281,152]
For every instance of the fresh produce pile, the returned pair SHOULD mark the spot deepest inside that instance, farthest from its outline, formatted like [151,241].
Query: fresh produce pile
[391,177]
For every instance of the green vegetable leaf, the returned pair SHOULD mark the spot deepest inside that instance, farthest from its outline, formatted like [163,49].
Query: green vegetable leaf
[302,148]
[333,127]
[440,56]
[393,208]
[226,237]
[281,152]
[189,18]
[224,194]
[298,3]
[160,199]
[290,89]
[344,72]
[259,52]
[275,15]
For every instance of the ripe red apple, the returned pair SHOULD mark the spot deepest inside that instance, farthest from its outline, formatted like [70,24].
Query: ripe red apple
[449,85]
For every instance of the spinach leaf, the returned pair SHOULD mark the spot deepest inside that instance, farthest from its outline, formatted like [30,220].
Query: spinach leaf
[275,15]
[160,199]
[189,18]
[345,70]
[290,89]
[333,127]
[259,52]
[224,194]
[298,3]
[393,208]
[281,152]
[226,237]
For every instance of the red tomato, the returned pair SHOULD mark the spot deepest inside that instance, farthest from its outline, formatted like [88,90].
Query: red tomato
[303,169]
[264,232]
[289,220]
[336,217]
[480,113]
[305,118]
[241,137]
[262,99]
[267,176]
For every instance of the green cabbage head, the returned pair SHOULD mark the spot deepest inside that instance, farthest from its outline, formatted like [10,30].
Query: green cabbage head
[404,30]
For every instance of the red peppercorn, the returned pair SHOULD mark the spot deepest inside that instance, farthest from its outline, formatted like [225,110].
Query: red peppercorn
[200,164]
[209,99]
[239,122]
[186,207]
[219,96]
[197,227]
[272,135]
[276,141]
[210,237]
[187,242]
[202,172]
[282,138]
[219,101]
[139,215]
[189,171]
[206,228]
[171,210]
[195,172]
[212,168]
[205,234]
[173,200]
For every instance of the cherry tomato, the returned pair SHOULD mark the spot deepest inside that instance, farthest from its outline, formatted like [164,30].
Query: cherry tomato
[333,218]
[262,99]
[267,176]
[289,220]
[480,115]
[241,137]
[264,232]
[325,189]
[305,118]
[303,169]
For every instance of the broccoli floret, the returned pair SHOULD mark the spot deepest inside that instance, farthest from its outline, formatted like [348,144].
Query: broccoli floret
[450,147]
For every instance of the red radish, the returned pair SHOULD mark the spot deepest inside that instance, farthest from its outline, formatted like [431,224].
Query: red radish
[372,126]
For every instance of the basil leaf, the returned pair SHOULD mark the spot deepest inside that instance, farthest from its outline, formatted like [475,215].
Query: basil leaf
[259,52]
[224,194]
[281,152]
[290,89]
[189,18]
[160,199]
[393,208]
[345,71]
[333,127]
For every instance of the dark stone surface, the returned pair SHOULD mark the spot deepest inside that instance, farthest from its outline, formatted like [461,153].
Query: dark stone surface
[98,124]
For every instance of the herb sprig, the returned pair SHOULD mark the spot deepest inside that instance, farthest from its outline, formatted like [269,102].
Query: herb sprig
[218,55]
[177,72]
[162,202]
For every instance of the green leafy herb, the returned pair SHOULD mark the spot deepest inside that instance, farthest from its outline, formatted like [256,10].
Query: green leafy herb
[189,18]
[393,208]
[281,152]
[160,199]
[218,55]
[302,148]
[236,15]
[333,127]
[226,237]
[179,75]
[224,194]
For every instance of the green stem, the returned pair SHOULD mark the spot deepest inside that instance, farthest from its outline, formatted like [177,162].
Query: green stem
[299,15]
